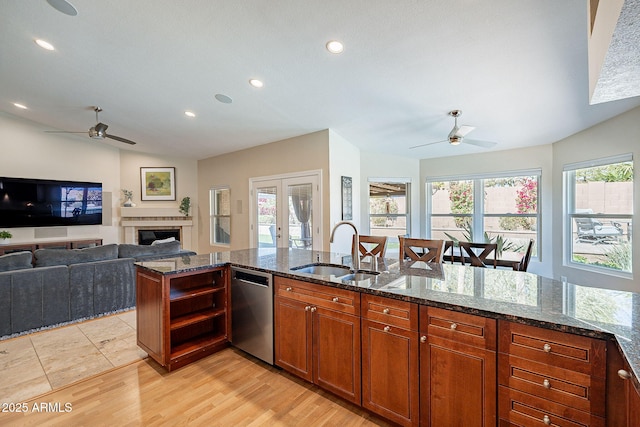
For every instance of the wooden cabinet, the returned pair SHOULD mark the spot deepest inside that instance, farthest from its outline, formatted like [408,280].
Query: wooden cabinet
[182,317]
[317,335]
[390,382]
[550,378]
[457,369]
[623,398]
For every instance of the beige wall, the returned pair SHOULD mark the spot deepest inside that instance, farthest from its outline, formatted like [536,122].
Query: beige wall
[303,153]
[186,176]
[619,135]
[539,157]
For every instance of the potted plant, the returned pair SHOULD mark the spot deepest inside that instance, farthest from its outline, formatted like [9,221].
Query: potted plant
[185,205]
[128,194]
[5,237]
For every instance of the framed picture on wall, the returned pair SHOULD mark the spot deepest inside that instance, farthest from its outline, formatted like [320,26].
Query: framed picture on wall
[347,199]
[158,183]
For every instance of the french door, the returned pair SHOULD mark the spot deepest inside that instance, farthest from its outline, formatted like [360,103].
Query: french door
[286,212]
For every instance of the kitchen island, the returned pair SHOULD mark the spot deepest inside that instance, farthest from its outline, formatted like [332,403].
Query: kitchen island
[502,295]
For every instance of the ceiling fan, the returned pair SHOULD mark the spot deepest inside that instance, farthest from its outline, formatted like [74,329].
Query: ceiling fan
[458,133]
[99,131]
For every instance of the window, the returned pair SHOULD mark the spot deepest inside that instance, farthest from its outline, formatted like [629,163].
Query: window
[220,215]
[599,215]
[389,210]
[499,208]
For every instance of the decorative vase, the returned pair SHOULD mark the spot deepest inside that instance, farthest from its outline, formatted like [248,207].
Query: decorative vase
[5,241]
[129,203]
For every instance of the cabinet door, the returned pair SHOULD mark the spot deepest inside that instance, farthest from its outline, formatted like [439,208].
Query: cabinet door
[634,404]
[293,339]
[390,372]
[336,353]
[149,316]
[457,384]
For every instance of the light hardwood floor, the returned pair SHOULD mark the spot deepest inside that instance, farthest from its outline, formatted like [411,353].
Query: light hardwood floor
[228,388]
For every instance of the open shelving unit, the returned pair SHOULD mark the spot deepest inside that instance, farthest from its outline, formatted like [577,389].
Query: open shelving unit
[182,317]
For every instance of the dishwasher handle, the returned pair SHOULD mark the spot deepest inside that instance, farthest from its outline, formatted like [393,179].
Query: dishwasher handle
[251,279]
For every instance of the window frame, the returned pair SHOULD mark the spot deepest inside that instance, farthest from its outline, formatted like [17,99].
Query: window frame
[569,214]
[478,215]
[214,216]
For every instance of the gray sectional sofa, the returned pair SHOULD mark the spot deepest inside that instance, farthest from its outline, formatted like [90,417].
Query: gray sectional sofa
[57,286]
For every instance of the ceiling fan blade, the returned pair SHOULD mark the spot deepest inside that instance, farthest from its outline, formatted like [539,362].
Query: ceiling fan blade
[64,131]
[117,138]
[479,143]
[463,130]
[428,143]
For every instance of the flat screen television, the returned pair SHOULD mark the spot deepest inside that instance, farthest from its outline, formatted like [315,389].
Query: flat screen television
[44,203]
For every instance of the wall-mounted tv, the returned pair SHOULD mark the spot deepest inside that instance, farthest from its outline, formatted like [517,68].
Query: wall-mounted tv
[44,203]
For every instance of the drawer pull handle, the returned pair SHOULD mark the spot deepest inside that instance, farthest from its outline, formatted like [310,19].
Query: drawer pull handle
[386,311]
[423,338]
[387,329]
[625,375]
[289,289]
[313,309]
[546,420]
[335,299]
[547,348]
[546,384]
[307,308]
[454,326]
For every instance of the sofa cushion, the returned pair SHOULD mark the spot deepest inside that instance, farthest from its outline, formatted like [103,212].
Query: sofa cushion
[47,257]
[16,261]
[137,251]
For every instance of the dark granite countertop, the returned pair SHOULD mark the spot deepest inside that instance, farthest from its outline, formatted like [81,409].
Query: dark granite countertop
[501,294]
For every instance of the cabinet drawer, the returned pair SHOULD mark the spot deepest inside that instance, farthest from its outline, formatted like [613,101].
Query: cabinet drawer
[328,297]
[524,409]
[574,389]
[390,311]
[468,329]
[568,351]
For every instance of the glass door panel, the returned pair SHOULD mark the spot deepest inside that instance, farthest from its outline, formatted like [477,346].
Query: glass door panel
[300,197]
[268,230]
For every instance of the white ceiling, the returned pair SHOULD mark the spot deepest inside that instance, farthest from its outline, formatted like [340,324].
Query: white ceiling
[517,70]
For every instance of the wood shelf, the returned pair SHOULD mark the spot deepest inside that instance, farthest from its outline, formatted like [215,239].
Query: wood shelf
[181,294]
[196,317]
[197,344]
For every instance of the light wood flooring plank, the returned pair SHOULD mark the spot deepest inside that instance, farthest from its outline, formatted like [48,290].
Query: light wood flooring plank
[228,388]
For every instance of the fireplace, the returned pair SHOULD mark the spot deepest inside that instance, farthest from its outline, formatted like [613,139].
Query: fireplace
[146,237]
[158,220]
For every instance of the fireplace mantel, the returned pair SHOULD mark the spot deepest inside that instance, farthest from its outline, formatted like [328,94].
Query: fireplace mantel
[135,218]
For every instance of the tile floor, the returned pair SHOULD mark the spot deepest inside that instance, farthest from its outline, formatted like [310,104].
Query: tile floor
[43,361]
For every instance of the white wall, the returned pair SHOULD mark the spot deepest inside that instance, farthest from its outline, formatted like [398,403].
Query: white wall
[29,152]
[501,161]
[344,160]
[619,135]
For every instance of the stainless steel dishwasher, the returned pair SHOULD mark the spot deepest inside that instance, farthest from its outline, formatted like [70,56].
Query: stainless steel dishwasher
[252,312]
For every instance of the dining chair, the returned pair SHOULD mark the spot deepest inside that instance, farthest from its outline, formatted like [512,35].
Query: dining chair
[524,262]
[478,259]
[377,245]
[434,249]
[449,251]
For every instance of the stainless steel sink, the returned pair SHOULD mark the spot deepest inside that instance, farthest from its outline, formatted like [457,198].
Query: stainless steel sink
[324,270]
[339,272]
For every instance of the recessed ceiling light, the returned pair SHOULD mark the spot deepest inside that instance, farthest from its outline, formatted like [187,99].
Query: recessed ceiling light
[335,46]
[23,107]
[44,44]
[189,114]
[223,98]
[256,83]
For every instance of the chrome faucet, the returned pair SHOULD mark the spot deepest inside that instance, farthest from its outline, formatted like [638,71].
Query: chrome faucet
[355,252]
